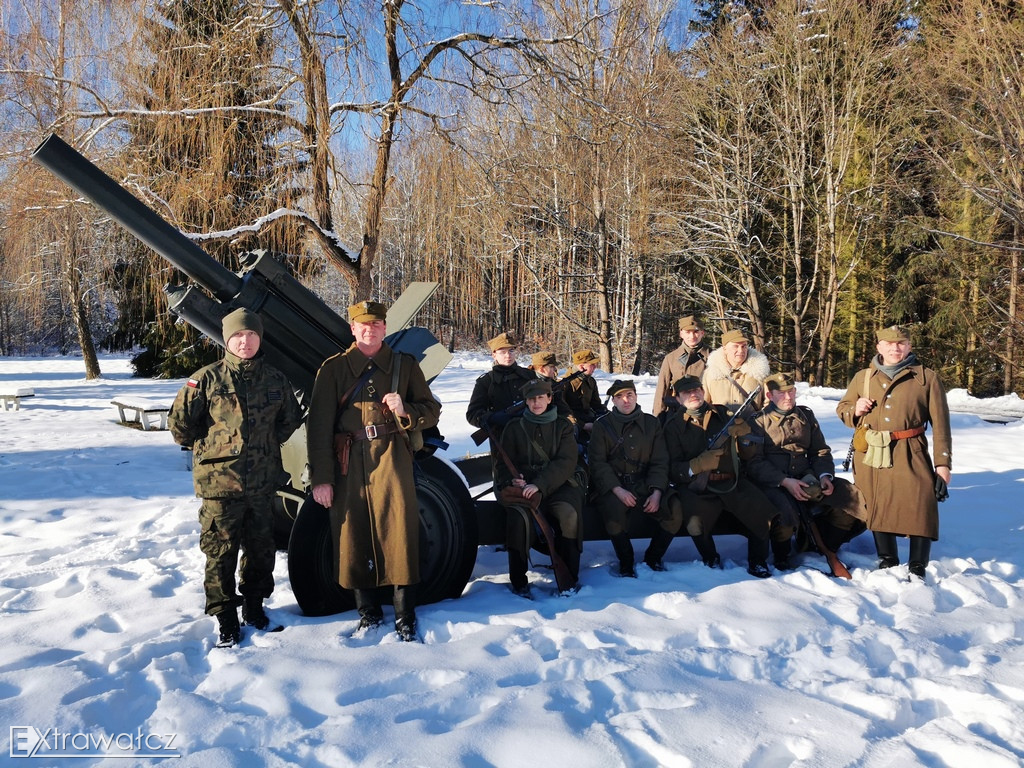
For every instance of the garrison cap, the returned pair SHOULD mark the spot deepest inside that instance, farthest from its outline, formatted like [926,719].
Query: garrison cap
[734,335]
[690,323]
[780,382]
[542,358]
[621,385]
[502,341]
[584,356]
[241,320]
[686,383]
[367,312]
[536,387]
[893,333]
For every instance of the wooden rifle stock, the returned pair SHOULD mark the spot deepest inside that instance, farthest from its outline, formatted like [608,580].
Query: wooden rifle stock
[834,563]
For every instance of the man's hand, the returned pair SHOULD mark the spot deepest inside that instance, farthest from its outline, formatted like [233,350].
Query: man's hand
[529,491]
[706,462]
[863,405]
[627,498]
[324,495]
[653,502]
[393,400]
[739,428]
[795,488]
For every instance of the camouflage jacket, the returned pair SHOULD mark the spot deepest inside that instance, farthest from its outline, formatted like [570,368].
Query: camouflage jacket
[234,414]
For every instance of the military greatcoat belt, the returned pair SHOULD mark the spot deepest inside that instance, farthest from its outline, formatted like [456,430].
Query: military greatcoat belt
[373,431]
[903,434]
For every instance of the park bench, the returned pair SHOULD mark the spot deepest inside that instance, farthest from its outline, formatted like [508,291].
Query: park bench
[141,411]
[11,398]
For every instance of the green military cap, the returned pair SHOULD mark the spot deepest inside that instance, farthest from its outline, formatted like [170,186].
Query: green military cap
[893,333]
[540,359]
[502,341]
[621,385]
[780,382]
[536,387]
[732,335]
[241,320]
[585,356]
[690,323]
[686,383]
[367,312]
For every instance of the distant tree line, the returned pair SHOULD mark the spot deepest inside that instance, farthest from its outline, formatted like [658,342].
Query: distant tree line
[582,172]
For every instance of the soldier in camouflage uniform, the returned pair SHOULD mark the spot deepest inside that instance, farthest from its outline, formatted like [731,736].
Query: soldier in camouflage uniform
[234,415]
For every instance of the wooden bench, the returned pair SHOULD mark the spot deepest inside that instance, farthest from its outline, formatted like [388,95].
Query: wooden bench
[141,411]
[11,398]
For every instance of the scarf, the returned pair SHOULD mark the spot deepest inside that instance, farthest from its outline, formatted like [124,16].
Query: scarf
[892,370]
[543,418]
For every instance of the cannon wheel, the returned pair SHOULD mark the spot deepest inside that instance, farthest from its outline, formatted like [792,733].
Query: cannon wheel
[448,543]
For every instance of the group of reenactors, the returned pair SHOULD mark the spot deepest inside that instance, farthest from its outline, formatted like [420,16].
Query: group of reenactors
[726,438]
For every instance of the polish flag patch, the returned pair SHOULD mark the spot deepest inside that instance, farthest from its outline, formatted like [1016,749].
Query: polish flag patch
[193,383]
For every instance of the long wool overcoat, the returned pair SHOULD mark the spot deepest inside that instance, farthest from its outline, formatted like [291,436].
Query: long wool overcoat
[901,498]
[728,387]
[375,519]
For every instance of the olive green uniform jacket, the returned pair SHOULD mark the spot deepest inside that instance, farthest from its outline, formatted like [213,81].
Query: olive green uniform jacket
[641,457]
[678,363]
[234,414]
[495,391]
[583,400]
[375,518]
[901,499]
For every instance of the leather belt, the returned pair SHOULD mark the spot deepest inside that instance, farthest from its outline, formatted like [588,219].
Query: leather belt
[373,431]
[903,434]
[717,477]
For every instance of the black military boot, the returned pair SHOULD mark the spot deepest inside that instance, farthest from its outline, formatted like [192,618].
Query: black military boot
[757,557]
[781,550]
[920,553]
[230,631]
[706,549]
[885,545]
[519,584]
[569,551]
[656,550]
[370,614]
[253,614]
[624,551]
[405,613]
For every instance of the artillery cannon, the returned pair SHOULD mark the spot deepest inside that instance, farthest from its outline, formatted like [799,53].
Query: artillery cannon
[302,332]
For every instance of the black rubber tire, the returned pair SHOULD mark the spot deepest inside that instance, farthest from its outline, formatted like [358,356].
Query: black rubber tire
[448,544]
[286,508]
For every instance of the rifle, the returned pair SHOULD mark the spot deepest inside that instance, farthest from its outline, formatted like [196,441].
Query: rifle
[517,407]
[700,481]
[563,578]
[834,563]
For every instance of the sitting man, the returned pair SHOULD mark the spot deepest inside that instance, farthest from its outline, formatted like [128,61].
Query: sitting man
[629,471]
[793,464]
[541,449]
[709,480]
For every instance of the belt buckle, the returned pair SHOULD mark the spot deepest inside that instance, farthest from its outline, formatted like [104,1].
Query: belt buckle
[371,431]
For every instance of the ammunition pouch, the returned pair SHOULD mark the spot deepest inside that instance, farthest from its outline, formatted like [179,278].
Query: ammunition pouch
[512,496]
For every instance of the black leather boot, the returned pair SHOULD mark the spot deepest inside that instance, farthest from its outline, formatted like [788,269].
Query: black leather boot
[656,550]
[781,551]
[230,633]
[370,613]
[706,549]
[624,551]
[920,553]
[569,551]
[885,546]
[253,614]
[405,613]
[757,557]
[519,584]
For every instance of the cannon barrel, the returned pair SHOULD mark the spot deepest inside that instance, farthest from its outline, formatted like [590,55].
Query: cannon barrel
[54,154]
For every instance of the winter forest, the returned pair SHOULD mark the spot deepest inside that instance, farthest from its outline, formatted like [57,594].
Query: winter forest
[582,172]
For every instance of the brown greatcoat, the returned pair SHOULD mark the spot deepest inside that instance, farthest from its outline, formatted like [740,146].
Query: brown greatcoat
[375,515]
[901,498]
[678,363]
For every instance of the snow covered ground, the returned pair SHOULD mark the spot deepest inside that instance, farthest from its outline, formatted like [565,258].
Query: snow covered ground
[104,636]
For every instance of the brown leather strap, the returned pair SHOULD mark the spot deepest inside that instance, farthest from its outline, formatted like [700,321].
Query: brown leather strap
[717,477]
[373,431]
[903,434]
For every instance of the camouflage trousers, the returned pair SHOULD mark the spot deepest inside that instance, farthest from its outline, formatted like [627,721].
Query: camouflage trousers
[227,526]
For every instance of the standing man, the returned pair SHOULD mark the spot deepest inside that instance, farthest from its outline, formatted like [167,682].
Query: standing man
[541,446]
[794,466]
[234,415]
[710,479]
[629,473]
[582,396]
[365,401]
[733,371]
[893,401]
[688,359]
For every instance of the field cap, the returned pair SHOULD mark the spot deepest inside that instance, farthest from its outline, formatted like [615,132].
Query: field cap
[367,312]
[690,323]
[734,335]
[686,384]
[585,356]
[536,387]
[502,341]
[241,320]
[540,359]
[893,333]
[621,385]
[780,382]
